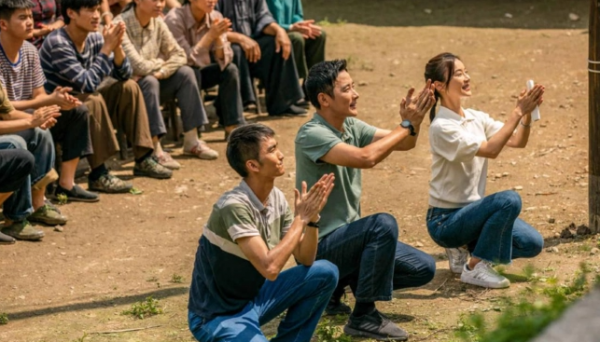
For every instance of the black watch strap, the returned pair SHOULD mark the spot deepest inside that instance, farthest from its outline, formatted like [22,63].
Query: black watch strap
[313,224]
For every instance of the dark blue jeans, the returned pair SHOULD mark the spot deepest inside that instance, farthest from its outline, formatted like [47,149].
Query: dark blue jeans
[490,228]
[303,291]
[372,260]
[39,142]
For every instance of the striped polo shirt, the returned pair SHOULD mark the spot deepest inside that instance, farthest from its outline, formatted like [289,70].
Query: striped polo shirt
[224,280]
[22,77]
[83,71]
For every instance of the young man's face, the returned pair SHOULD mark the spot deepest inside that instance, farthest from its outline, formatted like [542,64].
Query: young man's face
[270,159]
[152,8]
[86,19]
[20,24]
[343,102]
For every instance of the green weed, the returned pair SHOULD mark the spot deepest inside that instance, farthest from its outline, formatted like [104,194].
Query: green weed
[327,332]
[62,199]
[3,318]
[144,309]
[177,279]
[522,319]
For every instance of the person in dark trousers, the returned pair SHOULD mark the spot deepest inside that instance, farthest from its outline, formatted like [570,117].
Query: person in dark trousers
[366,250]
[202,34]
[262,49]
[15,168]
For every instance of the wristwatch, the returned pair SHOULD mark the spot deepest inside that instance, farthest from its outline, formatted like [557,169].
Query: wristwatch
[407,124]
[313,224]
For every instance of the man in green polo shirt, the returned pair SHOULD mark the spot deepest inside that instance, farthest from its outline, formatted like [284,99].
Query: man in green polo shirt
[366,250]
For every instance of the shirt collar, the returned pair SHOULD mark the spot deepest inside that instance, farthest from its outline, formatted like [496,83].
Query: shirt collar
[446,113]
[130,16]
[253,199]
[190,21]
[344,136]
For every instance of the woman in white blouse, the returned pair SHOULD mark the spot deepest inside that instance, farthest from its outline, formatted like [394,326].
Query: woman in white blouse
[460,217]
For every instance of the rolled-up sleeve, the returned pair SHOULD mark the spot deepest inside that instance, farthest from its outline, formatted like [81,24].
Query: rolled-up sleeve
[263,17]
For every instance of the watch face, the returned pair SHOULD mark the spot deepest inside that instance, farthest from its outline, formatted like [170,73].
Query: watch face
[405,124]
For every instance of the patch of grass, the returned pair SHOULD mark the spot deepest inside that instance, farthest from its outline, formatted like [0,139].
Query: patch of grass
[135,191]
[62,199]
[144,309]
[326,22]
[177,279]
[3,318]
[522,319]
[327,332]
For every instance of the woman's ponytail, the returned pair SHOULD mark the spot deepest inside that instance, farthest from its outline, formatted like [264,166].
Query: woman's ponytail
[439,69]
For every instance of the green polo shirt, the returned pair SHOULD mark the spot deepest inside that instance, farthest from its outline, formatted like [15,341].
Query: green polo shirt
[315,138]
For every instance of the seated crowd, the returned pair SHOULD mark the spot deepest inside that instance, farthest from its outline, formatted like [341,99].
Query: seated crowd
[88,80]
[75,72]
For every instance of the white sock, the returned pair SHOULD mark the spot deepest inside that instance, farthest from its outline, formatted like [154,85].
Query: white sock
[190,139]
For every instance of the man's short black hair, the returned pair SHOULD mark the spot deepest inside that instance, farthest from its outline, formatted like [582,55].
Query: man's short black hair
[75,5]
[321,79]
[8,7]
[244,144]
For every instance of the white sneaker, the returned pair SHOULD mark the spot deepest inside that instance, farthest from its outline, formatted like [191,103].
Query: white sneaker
[483,274]
[457,258]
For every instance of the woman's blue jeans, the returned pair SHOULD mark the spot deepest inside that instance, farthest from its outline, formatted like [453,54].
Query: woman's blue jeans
[490,228]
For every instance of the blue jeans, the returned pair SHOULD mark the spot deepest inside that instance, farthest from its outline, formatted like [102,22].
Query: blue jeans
[372,260]
[39,142]
[303,291]
[490,228]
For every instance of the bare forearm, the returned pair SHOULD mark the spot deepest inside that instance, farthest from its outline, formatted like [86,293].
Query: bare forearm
[306,251]
[521,137]
[278,256]
[494,146]
[409,142]
[35,103]
[57,24]
[379,150]
[9,126]
[272,29]
[235,38]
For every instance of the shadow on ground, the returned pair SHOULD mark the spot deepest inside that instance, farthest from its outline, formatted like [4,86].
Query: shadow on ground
[100,304]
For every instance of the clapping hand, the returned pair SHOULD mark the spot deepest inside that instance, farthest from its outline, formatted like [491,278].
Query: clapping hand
[528,100]
[309,204]
[414,108]
[63,99]
[307,29]
[219,27]
[45,117]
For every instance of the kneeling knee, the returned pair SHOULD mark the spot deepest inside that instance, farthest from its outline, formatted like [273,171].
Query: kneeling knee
[327,271]
[427,271]
[386,225]
[512,199]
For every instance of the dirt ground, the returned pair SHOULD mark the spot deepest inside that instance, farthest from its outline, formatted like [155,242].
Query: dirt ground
[127,247]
